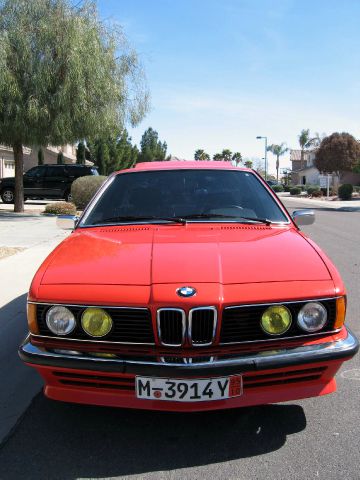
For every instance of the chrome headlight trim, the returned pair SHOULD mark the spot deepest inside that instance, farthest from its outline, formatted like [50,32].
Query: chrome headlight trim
[322,312]
[60,310]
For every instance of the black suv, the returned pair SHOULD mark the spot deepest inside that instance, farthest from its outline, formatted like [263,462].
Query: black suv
[46,181]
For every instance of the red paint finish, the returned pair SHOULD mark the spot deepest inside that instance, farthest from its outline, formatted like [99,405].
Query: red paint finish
[273,386]
[228,264]
[209,253]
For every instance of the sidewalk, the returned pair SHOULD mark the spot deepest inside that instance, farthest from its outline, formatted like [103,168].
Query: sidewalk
[340,205]
[20,383]
[21,230]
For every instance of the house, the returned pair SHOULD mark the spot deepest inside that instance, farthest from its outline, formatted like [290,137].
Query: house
[7,163]
[304,172]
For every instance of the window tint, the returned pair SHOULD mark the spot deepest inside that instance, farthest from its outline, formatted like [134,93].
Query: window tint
[178,193]
[55,171]
[36,172]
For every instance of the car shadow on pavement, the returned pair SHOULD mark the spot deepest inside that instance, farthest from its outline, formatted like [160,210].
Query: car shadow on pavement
[18,383]
[64,441]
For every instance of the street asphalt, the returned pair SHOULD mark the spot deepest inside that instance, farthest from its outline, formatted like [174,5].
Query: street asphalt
[315,438]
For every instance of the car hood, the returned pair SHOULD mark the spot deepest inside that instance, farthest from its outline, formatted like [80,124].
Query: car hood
[146,255]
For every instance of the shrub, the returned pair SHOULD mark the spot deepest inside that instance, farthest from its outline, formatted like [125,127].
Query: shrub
[295,191]
[60,208]
[84,188]
[356,188]
[317,193]
[311,189]
[278,188]
[345,191]
[286,188]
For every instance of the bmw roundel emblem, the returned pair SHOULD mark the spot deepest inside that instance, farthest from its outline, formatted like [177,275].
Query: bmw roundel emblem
[186,291]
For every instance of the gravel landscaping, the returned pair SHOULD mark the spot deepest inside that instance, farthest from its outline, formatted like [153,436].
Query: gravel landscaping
[7,251]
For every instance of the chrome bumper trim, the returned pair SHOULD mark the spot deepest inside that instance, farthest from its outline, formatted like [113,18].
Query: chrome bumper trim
[279,358]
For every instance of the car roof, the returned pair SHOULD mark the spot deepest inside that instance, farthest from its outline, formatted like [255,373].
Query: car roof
[74,165]
[185,164]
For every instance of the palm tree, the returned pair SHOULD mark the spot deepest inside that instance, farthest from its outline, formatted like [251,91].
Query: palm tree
[305,142]
[248,164]
[218,157]
[277,150]
[201,155]
[318,138]
[226,155]
[237,158]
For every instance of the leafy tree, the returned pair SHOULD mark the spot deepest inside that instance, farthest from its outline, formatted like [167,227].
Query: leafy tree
[101,155]
[151,148]
[248,164]
[40,156]
[259,166]
[218,157]
[201,155]
[64,75]
[113,153]
[226,155]
[236,157]
[338,152]
[127,154]
[60,158]
[80,153]
[278,151]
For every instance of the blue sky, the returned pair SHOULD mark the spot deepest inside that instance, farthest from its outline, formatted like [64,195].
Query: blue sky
[221,72]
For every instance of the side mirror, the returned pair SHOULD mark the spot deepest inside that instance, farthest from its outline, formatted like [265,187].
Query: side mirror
[303,217]
[67,222]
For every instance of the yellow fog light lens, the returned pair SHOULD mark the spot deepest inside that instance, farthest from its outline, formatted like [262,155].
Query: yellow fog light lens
[276,320]
[96,322]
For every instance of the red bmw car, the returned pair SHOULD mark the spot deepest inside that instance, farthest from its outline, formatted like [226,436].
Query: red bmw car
[187,286]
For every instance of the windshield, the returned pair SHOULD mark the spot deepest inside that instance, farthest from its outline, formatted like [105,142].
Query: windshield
[194,195]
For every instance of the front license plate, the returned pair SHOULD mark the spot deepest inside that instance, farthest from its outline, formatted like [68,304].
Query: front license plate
[185,390]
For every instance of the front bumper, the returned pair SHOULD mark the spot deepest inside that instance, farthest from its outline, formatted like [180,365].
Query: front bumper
[271,376]
[266,360]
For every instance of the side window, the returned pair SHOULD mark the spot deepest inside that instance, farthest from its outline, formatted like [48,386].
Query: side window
[36,172]
[55,172]
[94,171]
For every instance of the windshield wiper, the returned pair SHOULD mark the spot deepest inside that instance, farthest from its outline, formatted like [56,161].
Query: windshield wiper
[232,217]
[266,221]
[133,218]
[183,220]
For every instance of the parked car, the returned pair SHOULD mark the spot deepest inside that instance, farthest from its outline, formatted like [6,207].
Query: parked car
[187,286]
[272,183]
[46,181]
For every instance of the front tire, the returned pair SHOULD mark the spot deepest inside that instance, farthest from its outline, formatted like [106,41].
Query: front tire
[8,195]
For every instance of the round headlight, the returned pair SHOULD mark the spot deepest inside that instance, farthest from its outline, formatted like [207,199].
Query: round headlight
[96,322]
[60,320]
[276,320]
[312,317]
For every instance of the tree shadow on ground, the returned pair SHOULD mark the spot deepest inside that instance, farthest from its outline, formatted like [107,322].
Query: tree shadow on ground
[64,441]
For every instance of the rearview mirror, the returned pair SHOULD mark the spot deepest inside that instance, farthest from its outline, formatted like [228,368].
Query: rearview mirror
[303,217]
[67,222]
